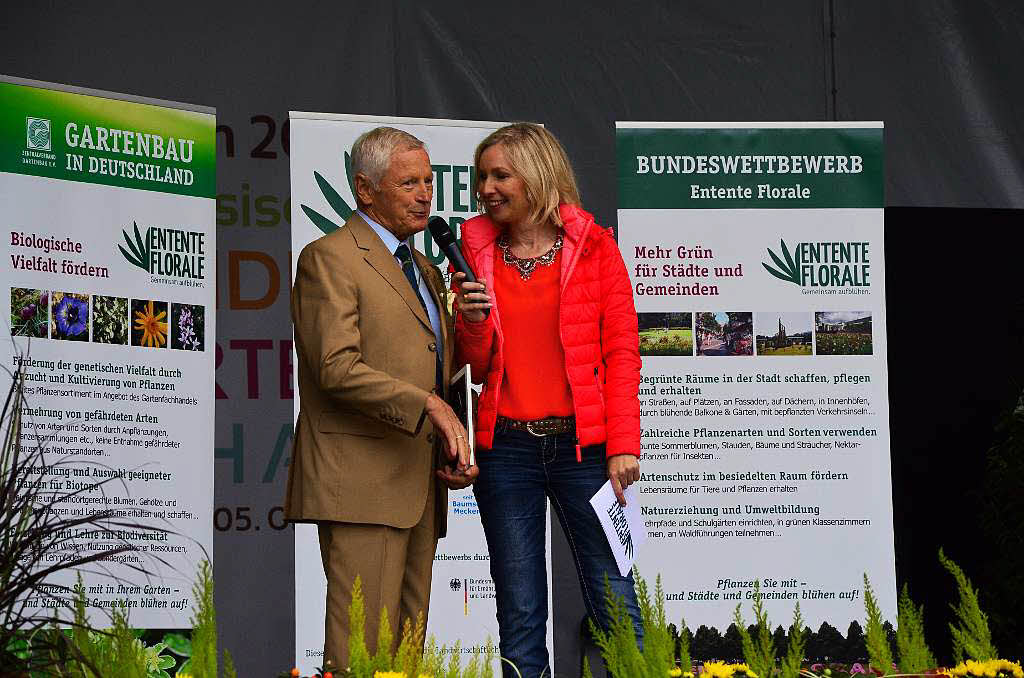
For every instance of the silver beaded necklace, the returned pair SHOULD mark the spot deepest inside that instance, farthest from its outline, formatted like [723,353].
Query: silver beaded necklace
[527,266]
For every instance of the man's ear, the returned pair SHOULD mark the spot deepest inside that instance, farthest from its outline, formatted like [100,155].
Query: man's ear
[364,189]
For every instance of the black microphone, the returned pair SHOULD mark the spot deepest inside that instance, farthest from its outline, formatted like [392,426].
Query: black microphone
[442,234]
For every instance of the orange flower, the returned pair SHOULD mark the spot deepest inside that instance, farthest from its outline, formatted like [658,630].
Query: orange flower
[153,327]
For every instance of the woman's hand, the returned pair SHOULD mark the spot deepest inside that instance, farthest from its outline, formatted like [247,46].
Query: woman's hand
[623,471]
[471,298]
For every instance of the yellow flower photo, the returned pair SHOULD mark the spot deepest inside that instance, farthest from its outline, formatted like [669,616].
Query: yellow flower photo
[150,323]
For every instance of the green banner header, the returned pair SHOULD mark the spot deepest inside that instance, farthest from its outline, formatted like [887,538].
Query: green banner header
[759,168]
[98,140]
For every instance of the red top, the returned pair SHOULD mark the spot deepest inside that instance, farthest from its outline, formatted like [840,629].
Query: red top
[535,384]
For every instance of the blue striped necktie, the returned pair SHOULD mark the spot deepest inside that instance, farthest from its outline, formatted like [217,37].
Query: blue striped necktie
[409,269]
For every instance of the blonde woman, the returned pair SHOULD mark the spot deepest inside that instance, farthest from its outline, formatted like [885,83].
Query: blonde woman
[558,354]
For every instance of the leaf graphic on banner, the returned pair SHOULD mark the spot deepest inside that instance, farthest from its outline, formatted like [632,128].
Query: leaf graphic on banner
[778,262]
[789,270]
[334,199]
[349,175]
[789,259]
[139,255]
[320,221]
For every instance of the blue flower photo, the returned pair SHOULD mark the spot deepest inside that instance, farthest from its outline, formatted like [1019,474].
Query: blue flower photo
[70,316]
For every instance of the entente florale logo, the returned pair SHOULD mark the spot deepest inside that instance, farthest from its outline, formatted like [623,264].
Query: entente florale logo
[37,134]
[166,251]
[334,199]
[822,264]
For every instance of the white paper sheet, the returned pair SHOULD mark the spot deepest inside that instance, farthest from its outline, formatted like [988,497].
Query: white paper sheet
[623,525]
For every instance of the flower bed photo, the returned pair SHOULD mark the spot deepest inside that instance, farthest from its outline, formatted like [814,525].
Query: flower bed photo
[673,341]
[666,333]
[843,333]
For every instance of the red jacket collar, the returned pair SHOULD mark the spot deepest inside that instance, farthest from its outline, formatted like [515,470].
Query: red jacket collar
[480,232]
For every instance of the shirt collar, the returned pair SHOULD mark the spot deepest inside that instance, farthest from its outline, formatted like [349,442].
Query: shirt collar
[386,236]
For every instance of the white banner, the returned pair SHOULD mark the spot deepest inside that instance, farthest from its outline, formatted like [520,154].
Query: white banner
[756,254]
[462,594]
[108,205]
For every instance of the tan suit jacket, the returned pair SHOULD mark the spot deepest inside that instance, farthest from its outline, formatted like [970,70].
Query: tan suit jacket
[364,451]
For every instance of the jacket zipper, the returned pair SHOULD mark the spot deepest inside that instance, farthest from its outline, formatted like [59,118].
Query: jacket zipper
[565,283]
[500,338]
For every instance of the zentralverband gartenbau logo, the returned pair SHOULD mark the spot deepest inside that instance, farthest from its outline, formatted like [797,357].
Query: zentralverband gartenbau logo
[37,134]
[822,264]
[166,252]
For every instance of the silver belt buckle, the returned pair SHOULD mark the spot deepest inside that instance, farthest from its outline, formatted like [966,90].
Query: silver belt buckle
[529,429]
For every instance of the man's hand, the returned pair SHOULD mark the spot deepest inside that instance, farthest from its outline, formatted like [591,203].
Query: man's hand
[623,471]
[452,432]
[455,443]
[457,481]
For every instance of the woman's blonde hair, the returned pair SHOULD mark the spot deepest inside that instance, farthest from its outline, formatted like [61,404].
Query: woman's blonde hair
[536,157]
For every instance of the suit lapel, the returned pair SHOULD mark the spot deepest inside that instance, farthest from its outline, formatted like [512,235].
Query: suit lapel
[383,262]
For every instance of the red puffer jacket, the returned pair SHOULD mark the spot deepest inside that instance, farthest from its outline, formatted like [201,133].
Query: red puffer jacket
[598,331]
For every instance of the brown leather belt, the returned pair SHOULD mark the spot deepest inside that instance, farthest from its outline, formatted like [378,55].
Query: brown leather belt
[539,427]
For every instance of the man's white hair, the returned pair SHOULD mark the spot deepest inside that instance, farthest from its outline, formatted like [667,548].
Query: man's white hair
[372,151]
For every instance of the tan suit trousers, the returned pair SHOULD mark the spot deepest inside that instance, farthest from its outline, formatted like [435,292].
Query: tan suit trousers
[394,566]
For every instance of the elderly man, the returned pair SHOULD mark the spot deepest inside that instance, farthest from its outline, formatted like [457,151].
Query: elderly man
[374,343]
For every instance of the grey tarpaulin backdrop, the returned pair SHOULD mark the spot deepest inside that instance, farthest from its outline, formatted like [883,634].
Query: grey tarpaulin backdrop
[940,74]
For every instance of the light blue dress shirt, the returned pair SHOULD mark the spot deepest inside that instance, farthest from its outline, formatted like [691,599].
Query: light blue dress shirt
[392,243]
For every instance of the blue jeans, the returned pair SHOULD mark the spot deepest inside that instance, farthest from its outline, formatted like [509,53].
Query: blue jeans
[515,477]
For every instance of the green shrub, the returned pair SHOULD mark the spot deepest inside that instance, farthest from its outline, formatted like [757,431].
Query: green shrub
[972,638]
[914,654]
[759,652]
[792,662]
[618,644]
[879,651]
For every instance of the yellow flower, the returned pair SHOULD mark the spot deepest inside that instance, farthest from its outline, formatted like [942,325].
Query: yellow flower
[717,670]
[714,670]
[389,674]
[153,327]
[743,668]
[723,670]
[992,668]
[1012,668]
[675,672]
